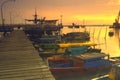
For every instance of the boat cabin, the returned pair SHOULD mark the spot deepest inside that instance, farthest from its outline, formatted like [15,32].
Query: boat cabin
[87,60]
[91,60]
[77,37]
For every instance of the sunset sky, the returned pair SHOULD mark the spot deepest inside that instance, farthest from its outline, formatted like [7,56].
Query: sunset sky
[91,11]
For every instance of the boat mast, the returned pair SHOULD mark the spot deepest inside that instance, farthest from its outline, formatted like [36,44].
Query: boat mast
[35,17]
[60,26]
[117,20]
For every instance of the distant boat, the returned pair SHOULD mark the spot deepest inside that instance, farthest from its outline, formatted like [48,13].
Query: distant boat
[82,64]
[41,26]
[74,26]
[111,33]
[82,26]
[35,20]
[76,37]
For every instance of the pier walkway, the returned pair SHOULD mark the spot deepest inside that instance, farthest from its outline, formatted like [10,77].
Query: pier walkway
[20,61]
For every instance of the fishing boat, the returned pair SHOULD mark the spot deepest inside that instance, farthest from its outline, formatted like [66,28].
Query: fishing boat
[76,37]
[46,46]
[42,27]
[79,65]
[50,49]
[79,36]
[77,48]
[65,45]
[44,34]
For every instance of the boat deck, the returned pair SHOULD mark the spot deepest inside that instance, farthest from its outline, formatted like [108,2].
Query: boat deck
[20,61]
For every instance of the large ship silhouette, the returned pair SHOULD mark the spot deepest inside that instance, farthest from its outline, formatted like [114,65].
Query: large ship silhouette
[42,25]
[35,20]
[40,21]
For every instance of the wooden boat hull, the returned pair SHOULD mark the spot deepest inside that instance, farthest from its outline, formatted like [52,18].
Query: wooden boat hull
[48,54]
[84,64]
[76,71]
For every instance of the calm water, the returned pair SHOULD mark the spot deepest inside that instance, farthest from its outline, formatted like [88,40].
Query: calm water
[100,35]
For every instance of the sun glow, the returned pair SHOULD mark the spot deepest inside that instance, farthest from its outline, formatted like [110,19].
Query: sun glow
[114,2]
[97,19]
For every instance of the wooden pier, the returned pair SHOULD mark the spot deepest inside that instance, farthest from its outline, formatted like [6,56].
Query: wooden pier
[20,61]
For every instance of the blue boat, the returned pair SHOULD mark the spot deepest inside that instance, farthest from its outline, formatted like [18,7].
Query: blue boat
[79,65]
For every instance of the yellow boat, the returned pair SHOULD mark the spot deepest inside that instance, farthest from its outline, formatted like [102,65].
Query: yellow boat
[65,45]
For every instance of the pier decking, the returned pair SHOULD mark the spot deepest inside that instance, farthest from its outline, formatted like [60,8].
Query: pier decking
[20,61]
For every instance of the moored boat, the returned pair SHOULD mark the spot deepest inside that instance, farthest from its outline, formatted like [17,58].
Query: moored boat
[77,37]
[79,65]
[49,49]
[65,45]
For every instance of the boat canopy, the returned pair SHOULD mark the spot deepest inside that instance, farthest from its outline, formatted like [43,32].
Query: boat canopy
[77,50]
[88,56]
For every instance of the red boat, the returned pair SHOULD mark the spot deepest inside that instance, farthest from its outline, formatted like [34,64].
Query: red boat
[79,65]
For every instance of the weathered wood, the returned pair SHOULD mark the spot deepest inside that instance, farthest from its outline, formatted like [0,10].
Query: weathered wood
[20,61]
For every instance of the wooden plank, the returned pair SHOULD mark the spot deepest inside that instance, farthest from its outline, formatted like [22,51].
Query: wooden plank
[20,61]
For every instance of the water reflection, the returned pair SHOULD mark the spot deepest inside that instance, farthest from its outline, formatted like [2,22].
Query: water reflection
[111,33]
[117,36]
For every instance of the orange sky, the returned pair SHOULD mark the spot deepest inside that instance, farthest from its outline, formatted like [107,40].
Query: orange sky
[91,11]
